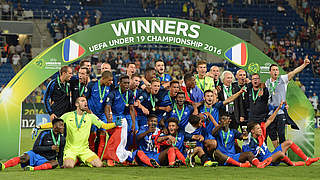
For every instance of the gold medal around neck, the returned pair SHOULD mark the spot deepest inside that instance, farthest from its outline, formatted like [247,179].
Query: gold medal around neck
[153,109]
[127,105]
[101,101]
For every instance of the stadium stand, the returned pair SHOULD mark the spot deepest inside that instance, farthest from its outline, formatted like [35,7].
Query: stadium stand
[286,33]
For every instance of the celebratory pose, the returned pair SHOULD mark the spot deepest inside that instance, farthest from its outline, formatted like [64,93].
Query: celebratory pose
[194,131]
[203,82]
[120,105]
[277,87]
[226,151]
[79,123]
[79,85]
[161,75]
[147,102]
[147,152]
[256,100]
[256,144]
[173,144]
[97,95]
[235,108]
[47,152]
[213,106]
[181,111]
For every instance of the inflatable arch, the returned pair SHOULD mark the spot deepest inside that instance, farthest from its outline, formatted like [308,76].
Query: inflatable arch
[146,30]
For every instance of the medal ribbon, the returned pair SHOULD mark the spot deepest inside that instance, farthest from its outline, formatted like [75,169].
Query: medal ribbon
[255,97]
[229,91]
[153,102]
[217,83]
[175,143]
[205,108]
[80,91]
[170,97]
[55,142]
[225,138]
[257,143]
[273,86]
[104,91]
[127,96]
[202,86]
[59,83]
[76,118]
[179,114]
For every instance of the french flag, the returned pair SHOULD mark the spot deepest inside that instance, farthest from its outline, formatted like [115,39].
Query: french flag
[116,146]
[238,54]
[71,50]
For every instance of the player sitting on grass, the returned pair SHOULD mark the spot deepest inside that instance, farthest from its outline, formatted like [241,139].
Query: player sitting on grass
[194,131]
[147,153]
[173,144]
[226,152]
[47,151]
[256,144]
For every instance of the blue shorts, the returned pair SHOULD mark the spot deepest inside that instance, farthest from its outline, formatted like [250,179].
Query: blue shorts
[279,148]
[35,160]
[103,118]
[233,156]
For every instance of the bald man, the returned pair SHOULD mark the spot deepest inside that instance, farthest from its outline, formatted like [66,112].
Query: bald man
[105,67]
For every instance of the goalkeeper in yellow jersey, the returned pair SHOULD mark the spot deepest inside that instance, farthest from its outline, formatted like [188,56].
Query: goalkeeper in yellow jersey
[78,125]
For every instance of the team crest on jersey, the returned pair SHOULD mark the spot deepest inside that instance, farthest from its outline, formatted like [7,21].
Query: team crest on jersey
[141,97]
[108,99]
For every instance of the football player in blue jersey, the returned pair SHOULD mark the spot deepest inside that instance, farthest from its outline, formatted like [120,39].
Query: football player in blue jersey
[163,77]
[173,144]
[146,102]
[226,151]
[120,105]
[256,144]
[194,131]
[97,92]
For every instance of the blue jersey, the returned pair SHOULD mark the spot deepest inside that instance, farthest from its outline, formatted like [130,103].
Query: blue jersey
[252,145]
[118,102]
[214,111]
[179,142]
[147,143]
[188,110]
[93,96]
[226,140]
[145,100]
[164,78]
[190,131]
[163,100]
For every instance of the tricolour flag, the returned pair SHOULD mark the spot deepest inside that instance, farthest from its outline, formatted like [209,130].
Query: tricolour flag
[71,50]
[116,146]
[237,54]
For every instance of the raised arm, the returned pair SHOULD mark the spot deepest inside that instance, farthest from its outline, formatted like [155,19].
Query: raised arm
[273,116]
[298,69]
[234,96]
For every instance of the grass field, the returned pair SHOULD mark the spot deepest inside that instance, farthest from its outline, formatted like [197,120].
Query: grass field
[280,172]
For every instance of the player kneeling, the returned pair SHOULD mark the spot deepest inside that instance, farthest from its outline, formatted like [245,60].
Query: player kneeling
[226,152]
[47,152]
[173,144]
[256,144]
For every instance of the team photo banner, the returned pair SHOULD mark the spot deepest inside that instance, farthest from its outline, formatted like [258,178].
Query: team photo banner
[146,30]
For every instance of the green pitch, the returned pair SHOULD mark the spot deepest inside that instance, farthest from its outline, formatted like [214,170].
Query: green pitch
[280,172]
